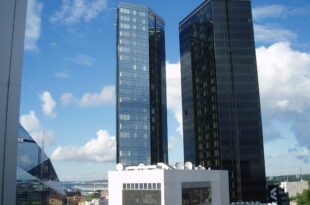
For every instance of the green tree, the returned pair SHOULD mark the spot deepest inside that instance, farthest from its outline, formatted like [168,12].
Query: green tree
[94,196]
[303,198]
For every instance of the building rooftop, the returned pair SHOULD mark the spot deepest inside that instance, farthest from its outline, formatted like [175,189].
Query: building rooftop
[160,166]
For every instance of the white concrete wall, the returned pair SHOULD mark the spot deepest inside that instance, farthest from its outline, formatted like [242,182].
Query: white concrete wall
[117,178]
[171,180]
[12,30]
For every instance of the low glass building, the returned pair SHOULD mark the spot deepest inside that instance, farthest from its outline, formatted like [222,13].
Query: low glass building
[36,180]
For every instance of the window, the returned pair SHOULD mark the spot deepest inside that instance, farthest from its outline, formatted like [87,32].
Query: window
[208,154]
[124,11]
[124,26]
[124,33]
[158,186]
[124,135]
[124,49]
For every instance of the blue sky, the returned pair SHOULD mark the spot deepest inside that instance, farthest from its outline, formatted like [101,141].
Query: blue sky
[69,76]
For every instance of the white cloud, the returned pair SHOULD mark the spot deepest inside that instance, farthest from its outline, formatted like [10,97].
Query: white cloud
[174,99]
[67,98]
[270,11]
[278,11]
[48,104]
[100,149]
[33,24]
[63,75]
[105,97]
[284,77]
[173,141]
[82,59]
[75,11]
[272,34]
[274,156]
[33,126]
[30,121]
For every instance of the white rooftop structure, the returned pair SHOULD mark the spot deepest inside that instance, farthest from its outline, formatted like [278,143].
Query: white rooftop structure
[163,184]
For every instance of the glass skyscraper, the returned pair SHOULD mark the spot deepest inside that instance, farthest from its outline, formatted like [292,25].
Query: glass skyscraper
[141,119]
[220,95]
[36,180]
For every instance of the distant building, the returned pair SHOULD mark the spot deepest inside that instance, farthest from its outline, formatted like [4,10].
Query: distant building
[162,184]
[37,181]
[75,200]
[293,203]
[220,95]
[88,187]
[104,194]
[141,106]
[294,188]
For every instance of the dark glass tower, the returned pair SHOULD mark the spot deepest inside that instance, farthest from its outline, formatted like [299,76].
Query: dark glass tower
[141,120]
[220,95]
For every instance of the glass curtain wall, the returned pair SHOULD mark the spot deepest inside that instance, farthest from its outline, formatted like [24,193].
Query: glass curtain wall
[141,89]
[37,181]
[220,95]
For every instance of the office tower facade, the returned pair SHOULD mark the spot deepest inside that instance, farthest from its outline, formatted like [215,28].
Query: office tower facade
[12,24]
[220,95]
[36,179]
[141,119]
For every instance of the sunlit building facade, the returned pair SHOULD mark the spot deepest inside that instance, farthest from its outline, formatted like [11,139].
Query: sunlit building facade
[220,95]
[36,180]
[141,119]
